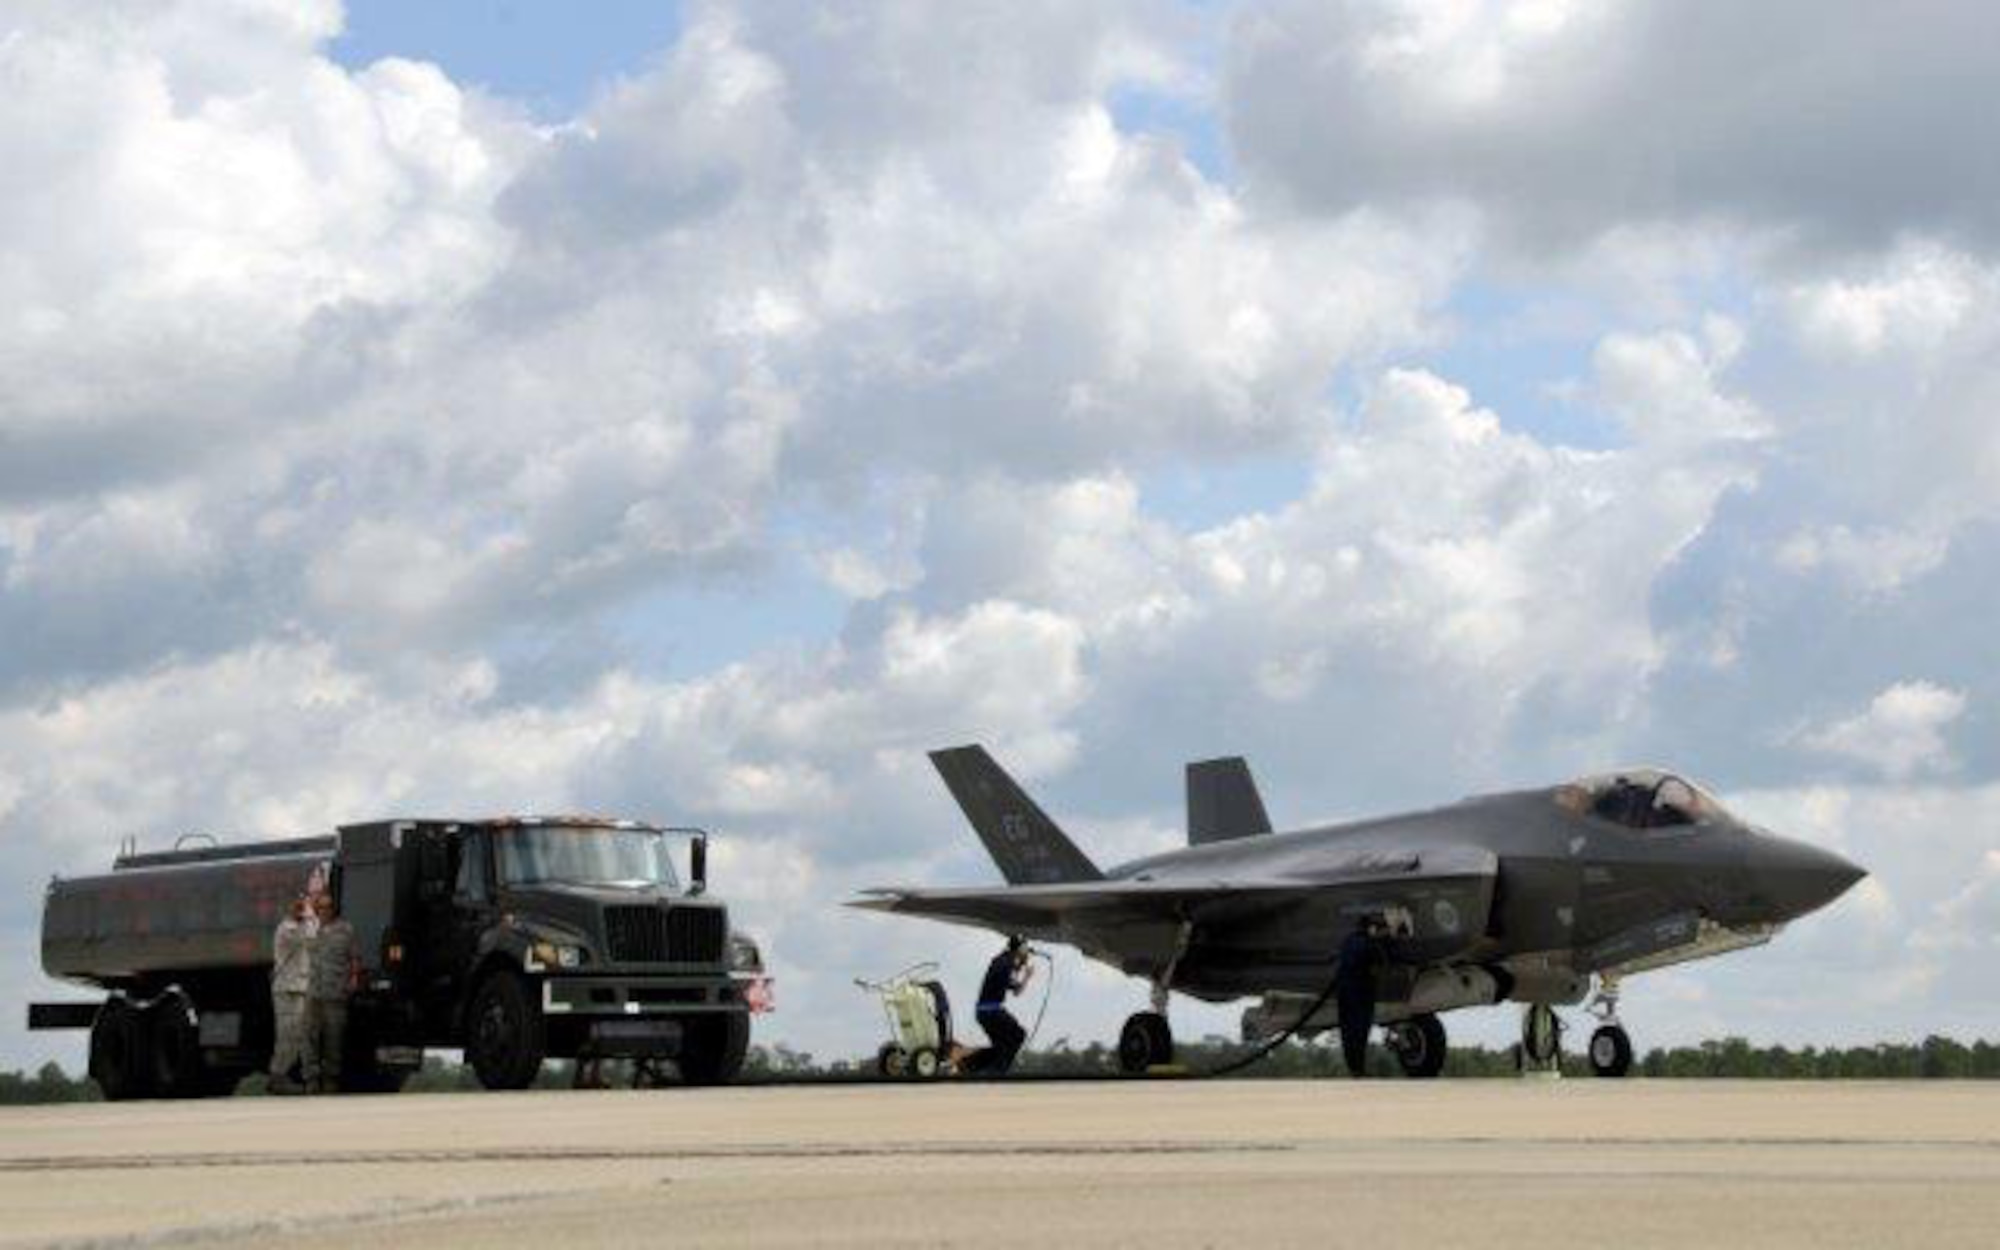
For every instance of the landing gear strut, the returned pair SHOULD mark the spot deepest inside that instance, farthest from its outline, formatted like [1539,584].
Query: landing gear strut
[1147,1040]
[1610,1046]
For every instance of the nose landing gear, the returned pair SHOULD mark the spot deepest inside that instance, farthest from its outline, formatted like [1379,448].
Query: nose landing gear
[1610,1046]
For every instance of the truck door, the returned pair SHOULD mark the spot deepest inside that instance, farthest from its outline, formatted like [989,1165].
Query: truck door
[472,903]
[456,904]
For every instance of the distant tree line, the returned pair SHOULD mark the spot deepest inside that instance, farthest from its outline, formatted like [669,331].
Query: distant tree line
[1934,1058]
[1734,1058]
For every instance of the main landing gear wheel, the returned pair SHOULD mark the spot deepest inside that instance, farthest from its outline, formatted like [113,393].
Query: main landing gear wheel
[1541,1039]
[1610,1051]
[1145,1042]
[1419,1046]
[924,1063]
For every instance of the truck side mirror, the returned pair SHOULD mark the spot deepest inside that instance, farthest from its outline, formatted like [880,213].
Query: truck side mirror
[698,864]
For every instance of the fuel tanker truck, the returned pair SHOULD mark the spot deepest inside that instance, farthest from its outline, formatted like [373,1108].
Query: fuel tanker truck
[513,940]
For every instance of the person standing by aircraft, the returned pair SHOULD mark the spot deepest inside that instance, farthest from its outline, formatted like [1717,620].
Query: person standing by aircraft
[1354,986]
[1008,973]
[291,976]
[334,970]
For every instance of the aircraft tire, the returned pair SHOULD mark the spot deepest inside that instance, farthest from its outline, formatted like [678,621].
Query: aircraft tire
[1146,1041]
[1541,1037]
[1610,1052]
[1421,1053]
[924,1063]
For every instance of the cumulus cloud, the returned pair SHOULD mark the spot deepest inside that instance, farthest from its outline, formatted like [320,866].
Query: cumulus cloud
[438,373]
[1914,300]
[1568,121]
[1970,919]
[354,429]
[1901,732]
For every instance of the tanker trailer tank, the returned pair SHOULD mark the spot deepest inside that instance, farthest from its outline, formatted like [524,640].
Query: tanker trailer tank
[182,940]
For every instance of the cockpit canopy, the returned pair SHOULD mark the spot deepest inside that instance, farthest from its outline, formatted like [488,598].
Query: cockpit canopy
[1641,798]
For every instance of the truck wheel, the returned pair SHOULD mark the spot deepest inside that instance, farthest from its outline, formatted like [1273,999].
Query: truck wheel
[119,1062]
[173,1051]
[713,1048]
[504,1038]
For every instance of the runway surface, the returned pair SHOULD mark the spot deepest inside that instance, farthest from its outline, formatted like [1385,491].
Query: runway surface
[1446,1163]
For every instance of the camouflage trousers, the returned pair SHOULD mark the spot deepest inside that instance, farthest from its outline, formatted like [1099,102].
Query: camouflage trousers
[326,1038]
[288,1013]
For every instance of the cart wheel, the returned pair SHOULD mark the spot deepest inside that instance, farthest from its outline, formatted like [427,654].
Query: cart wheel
[891,1061]
[924,1064]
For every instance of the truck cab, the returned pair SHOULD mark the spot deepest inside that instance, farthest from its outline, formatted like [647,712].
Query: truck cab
[514,939]
[522,938]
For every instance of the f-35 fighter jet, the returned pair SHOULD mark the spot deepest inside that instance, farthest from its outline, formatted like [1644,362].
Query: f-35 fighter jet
[1528,896]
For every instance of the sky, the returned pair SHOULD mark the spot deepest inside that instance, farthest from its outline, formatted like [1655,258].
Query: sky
[698,412]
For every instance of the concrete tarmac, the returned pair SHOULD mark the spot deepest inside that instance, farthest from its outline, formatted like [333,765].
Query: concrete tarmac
[1486,1163]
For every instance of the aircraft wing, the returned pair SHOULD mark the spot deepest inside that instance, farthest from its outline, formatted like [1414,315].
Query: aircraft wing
[1444,893]
[1040,910]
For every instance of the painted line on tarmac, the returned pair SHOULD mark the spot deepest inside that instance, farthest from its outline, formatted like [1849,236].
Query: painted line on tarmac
[249,1159]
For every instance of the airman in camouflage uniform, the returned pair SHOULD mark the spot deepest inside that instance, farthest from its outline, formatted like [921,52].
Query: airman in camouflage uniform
[291,976]
[334,966]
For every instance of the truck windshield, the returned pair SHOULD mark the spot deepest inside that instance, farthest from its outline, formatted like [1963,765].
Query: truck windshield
[583,855]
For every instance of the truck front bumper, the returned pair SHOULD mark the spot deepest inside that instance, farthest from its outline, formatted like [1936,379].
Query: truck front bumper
[585,995]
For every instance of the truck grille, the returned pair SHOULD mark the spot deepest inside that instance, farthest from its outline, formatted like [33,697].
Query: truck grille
[670,935]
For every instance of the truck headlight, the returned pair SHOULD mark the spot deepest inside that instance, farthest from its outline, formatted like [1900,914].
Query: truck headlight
[556,955]
[744,955]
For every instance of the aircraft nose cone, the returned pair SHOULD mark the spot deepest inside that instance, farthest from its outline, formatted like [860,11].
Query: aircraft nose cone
[1799,878]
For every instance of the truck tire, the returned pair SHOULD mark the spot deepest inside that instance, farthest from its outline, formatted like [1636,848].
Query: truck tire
[119,1058]
[173,1051]
[504,1036]
[713,1048]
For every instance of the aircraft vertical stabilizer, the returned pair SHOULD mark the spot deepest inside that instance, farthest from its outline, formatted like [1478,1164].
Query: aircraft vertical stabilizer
[1223,803]
[1029,847]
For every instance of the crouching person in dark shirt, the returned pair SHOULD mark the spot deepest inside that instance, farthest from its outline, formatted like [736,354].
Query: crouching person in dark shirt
[1007,974]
